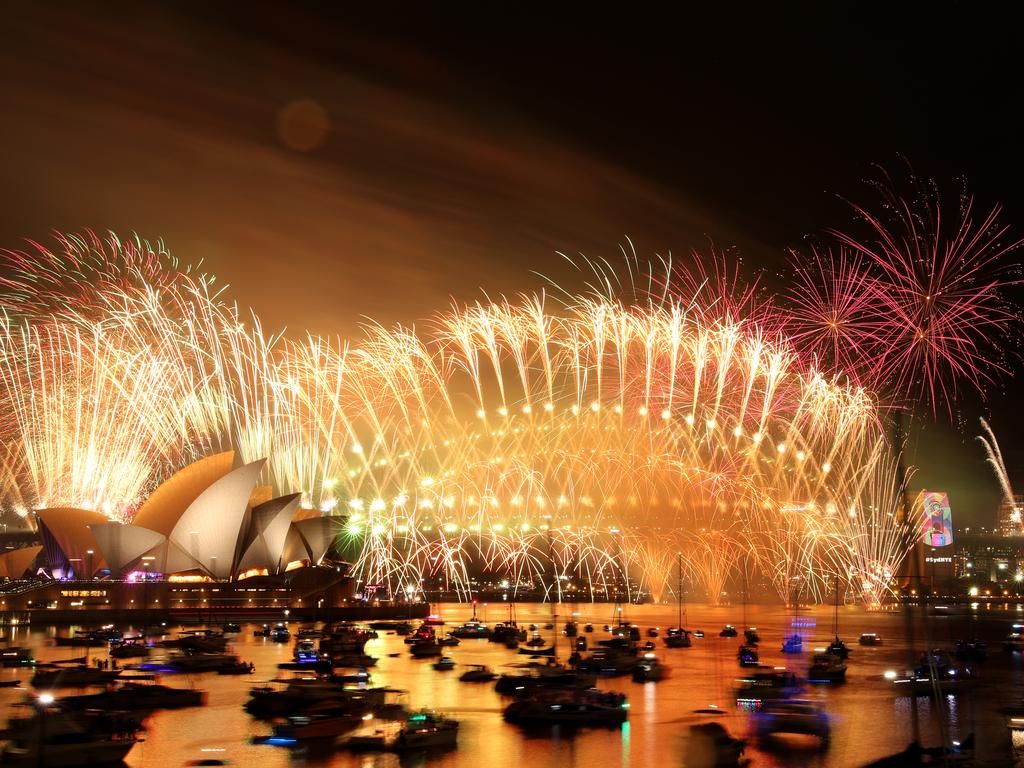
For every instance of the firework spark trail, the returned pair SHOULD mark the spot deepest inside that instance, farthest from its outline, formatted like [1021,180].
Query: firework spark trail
[934,297]
[994,457]
[594,439]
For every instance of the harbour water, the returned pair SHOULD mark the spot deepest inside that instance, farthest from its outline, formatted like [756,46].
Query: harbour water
[868,720]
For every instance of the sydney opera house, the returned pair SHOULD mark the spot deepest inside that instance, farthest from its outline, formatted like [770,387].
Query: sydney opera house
[209,529]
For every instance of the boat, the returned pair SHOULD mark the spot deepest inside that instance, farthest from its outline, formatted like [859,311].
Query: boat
[935,672]
[570,629]
[1014,642]
[608,662]
[787,716]
[677,638]
[507,632]
[425,649]
[423,632]
[308,633]
[838,649]
[238,668]
[137,696]
[826,668]
[100,636]
[477,673]
[536,641]
[970,650]
[354,660]
[263,631]
[326,720]
[199,662]
[448,641]
[57,676]
[472,629]
[652,632]
[421,730]
[728,631]
[747,656]
[297,695]
[280,634]
[711,746]
[588,627]
[751,636]
[16,656]
[360,676]
[960,753]
[9,683]
[231,628]
[347,639]
[535,676]
[649,670]
[525,650]
[870,638]
[53,736]
[130,648]
[648,646]
[444,664]
[589,707]
[197,641]
[765,684]
[793,644]
[305,652]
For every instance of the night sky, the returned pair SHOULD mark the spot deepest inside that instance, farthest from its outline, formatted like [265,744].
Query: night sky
[334,166]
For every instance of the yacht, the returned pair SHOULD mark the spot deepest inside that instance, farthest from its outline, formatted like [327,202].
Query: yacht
[747,656]
[649,670]
[1014,642]
[758,687]
[52,736]
[608,662]
[477,673]
[472,630]
[793,644]
[838,648]
[422,730]
[326,720]
[15,656]
[577,707]
[711,746]
[934,672]
[72,676]
[536,676]
[791,716]
[137,696]
[424,649]
[677,638]
[129,648]
[201,662]
[826,668]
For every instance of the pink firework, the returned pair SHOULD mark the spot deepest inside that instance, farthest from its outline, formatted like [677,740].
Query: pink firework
[930,296]
[713,285]
[835,319]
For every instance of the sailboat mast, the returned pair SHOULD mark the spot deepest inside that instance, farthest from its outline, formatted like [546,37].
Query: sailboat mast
[679,586]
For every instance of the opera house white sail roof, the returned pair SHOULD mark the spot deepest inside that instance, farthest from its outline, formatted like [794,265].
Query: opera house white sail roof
[209,517]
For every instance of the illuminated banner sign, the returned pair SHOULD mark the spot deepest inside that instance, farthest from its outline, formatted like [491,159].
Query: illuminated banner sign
[938,519]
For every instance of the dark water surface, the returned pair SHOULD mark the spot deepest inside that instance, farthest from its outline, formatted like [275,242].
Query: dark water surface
[868,720]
